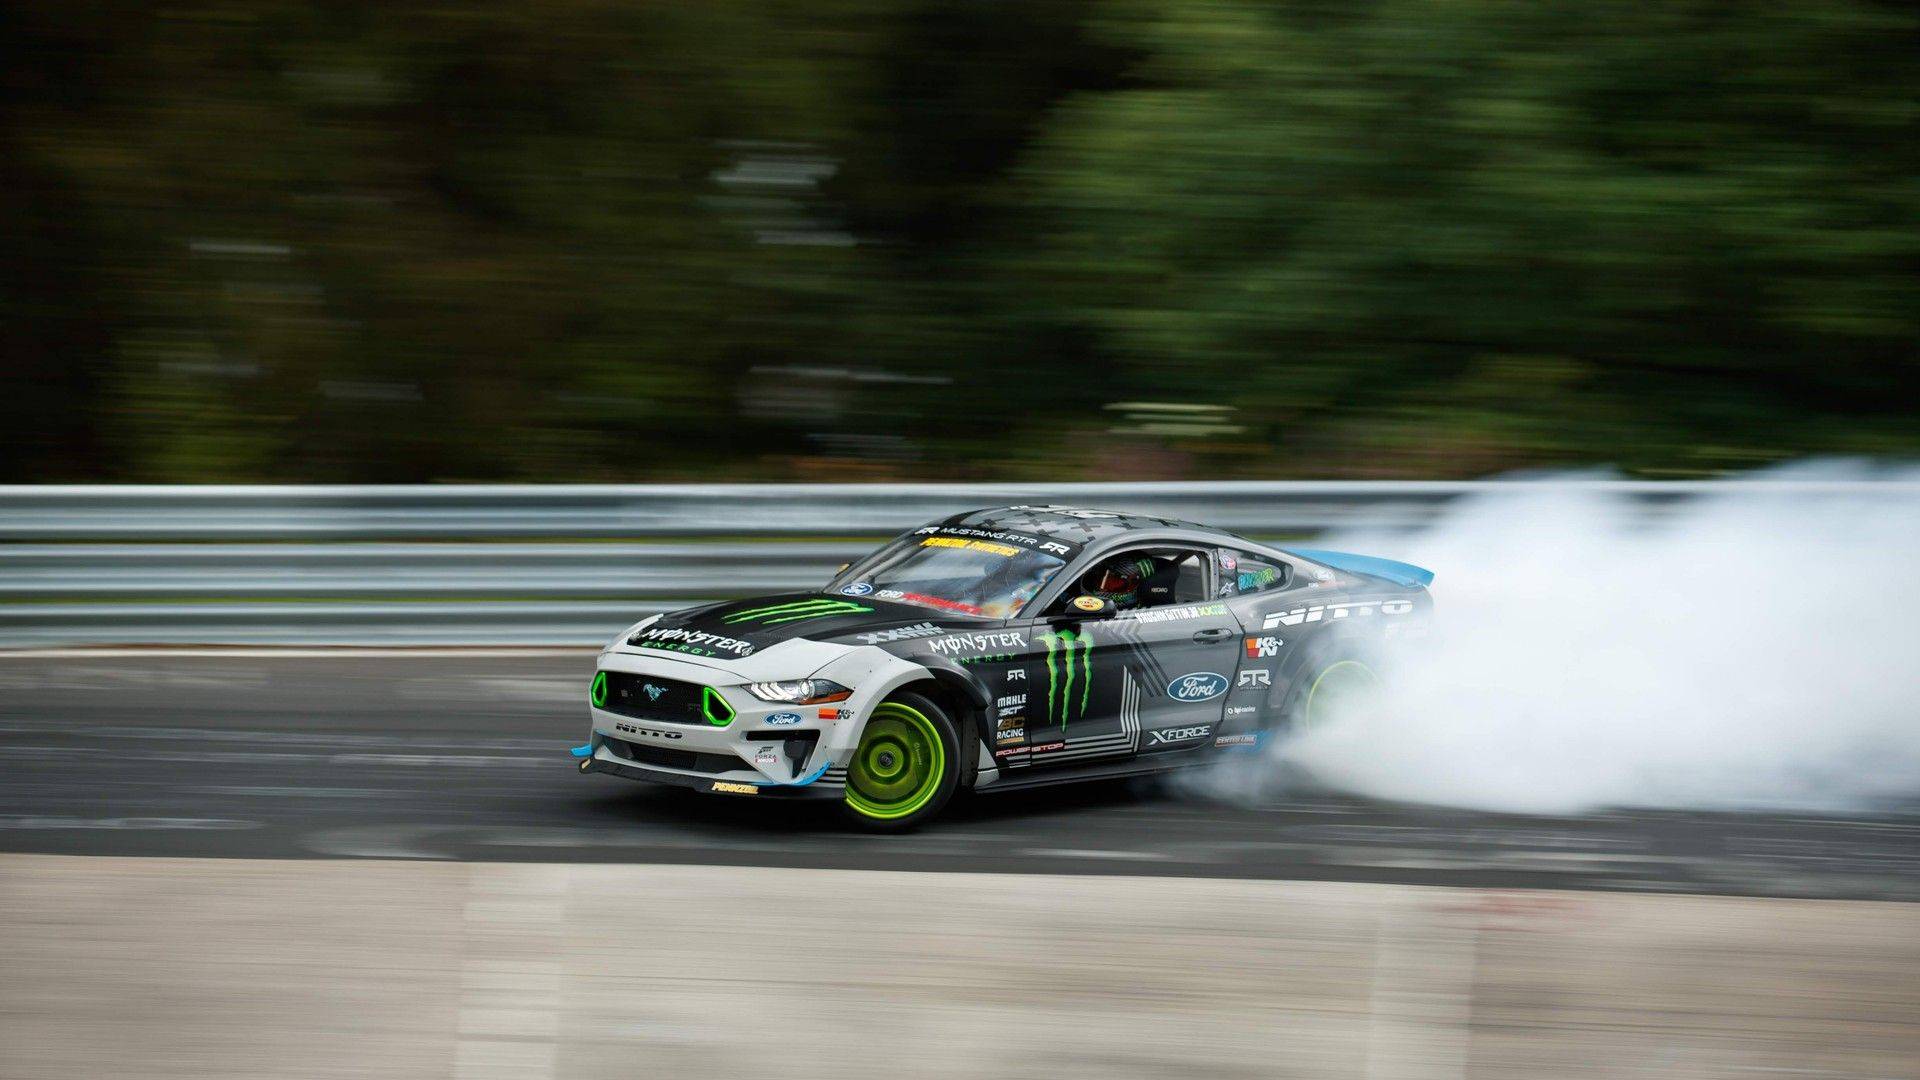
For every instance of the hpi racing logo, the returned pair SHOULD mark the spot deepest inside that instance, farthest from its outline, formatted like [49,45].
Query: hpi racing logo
[796,611]
[1067,650]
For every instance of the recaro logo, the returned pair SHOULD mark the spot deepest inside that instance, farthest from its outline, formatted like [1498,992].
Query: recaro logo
[1197,686]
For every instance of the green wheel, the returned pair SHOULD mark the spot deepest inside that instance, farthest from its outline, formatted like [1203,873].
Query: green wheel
[906,766]
[1341,685]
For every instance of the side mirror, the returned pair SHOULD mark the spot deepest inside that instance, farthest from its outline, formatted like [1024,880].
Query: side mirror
[1091,607]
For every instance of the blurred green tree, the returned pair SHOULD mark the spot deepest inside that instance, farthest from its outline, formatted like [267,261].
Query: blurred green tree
[586,240]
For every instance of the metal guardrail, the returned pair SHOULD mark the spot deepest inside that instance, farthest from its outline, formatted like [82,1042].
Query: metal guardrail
[561,564]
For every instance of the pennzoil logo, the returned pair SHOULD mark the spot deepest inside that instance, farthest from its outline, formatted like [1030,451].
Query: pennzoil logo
[726,788]
[1069,661]
[796,611]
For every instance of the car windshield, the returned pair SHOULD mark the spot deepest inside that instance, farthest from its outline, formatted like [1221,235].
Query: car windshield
[950,573]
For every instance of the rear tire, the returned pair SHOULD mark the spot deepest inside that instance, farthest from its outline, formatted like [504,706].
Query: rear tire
[906,767]
[1328,680]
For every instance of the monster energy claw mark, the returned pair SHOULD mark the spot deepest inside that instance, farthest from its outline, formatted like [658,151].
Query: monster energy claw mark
[1063,649]
[796,611]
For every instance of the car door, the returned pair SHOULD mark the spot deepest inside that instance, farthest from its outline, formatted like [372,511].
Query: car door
[1146,680]
[1260,589]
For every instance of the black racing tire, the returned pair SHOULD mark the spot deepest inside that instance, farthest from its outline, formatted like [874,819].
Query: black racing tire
[906,766]
[1328,670]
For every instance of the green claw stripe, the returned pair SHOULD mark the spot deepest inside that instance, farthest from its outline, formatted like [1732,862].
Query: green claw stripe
[1068,646]
[796,611]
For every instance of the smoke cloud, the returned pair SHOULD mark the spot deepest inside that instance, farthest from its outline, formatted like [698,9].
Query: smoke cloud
[1753,647]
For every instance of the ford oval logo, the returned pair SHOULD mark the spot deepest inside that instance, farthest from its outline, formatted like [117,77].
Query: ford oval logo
[858,588]
[1198,686]
[782,719]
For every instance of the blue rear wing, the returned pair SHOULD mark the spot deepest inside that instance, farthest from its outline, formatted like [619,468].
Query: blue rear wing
[1397,572]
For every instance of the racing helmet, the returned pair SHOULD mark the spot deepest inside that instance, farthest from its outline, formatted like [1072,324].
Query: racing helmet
[1118,580]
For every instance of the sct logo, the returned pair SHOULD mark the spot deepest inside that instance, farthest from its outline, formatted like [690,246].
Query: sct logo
[1197,686]
[782,719]
[1179,734]
[1259,648]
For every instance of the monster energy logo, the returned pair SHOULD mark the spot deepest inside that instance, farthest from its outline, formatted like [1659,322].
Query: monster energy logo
[796,611]
[1065,651]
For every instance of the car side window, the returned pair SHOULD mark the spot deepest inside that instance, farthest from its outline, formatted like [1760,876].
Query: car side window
[1243,573]
[1143,578]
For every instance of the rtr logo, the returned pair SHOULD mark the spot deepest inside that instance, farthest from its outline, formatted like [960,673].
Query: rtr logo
[1256,677]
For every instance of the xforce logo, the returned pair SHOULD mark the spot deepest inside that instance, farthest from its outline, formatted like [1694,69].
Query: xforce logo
[646,732]
[1069,660]
[1334,611]
[1178,734]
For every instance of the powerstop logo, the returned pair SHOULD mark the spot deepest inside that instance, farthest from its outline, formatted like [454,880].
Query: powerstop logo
[1069,659]
[692,641]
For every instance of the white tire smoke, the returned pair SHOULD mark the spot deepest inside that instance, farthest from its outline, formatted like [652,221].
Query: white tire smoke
[1754,647]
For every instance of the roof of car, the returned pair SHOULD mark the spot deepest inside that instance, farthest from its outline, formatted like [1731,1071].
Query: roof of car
[1077,524]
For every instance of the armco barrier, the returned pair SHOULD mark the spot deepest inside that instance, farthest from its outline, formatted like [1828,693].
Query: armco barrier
[560,564]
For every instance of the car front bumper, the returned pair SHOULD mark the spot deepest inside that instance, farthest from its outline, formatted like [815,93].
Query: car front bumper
[830,784]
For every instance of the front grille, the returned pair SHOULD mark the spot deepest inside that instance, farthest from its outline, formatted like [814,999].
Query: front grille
[648,697]
[662,757]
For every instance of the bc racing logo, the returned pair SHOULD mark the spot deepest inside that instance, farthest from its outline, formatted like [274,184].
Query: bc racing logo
[1069,661]
[796,611]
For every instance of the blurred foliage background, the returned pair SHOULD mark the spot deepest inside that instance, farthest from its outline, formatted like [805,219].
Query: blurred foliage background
[846,239]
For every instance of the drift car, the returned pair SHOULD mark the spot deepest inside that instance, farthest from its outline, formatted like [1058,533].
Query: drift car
[995,650]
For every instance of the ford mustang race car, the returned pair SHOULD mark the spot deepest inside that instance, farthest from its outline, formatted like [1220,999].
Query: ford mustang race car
[996,650]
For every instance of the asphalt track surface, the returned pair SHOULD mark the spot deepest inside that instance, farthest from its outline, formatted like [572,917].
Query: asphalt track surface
[464,757]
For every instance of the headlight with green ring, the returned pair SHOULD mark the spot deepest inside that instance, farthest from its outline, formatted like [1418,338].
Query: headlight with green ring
[800,691]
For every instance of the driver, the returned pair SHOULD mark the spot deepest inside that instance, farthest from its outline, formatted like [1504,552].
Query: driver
[1118,580]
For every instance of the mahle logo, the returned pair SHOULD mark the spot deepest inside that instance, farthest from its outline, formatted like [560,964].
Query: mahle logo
[1069,660]
[796,611]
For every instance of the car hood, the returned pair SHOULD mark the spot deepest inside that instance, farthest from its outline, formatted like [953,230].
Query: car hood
[737,629]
